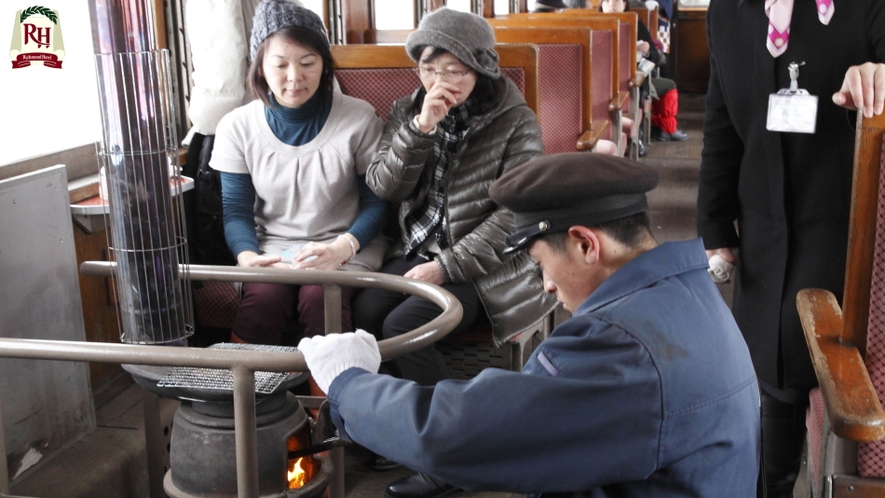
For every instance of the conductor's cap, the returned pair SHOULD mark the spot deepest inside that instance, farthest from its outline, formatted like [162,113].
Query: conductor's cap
[549,194]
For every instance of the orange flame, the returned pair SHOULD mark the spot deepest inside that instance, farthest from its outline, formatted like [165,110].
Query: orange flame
[297,473]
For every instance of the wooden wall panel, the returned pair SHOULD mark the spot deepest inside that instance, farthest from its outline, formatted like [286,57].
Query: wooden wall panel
[357,18]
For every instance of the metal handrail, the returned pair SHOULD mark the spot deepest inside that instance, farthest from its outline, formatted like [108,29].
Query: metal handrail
[243,364]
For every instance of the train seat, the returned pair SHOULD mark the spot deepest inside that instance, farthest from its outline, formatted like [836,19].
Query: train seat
[564,65]
[605,64]
[846,421]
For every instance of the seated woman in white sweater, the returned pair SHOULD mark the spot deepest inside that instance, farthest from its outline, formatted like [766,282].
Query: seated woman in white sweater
[293,167]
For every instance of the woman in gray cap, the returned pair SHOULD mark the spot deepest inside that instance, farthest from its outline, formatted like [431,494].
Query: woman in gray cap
[292,169]
[441,149]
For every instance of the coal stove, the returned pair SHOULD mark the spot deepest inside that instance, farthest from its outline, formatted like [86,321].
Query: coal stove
[202,451]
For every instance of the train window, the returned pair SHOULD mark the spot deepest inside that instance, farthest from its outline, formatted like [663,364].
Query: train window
[462,5]
[315,5]
[502,7]
[52,109]
[395,14]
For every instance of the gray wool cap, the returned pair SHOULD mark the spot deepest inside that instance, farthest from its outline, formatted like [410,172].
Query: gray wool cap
[274,15]
[467,36]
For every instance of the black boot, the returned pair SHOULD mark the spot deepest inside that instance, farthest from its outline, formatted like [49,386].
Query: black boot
[418,485]
[783,436]
[380,463]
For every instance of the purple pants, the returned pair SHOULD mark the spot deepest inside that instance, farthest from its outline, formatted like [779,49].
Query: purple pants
[281,314]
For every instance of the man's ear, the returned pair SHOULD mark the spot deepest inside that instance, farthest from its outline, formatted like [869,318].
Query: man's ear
[586,241]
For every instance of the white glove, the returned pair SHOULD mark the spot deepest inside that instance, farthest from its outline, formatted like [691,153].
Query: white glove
[720,270]
[327,356]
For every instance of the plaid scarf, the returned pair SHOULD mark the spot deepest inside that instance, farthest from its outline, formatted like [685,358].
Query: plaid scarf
[428,218]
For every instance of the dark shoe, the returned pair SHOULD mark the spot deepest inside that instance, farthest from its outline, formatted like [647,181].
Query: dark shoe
[642,151]
[418,485]
[380,463]
[678,136]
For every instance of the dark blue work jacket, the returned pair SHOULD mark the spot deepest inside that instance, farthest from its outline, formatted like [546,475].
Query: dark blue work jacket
[648,391]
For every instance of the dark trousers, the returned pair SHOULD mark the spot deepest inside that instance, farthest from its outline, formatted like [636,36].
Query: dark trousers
[267,314]
[783,437]
[389,314]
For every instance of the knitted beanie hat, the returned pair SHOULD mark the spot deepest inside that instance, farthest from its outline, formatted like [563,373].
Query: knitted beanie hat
[467,36]
[274,15]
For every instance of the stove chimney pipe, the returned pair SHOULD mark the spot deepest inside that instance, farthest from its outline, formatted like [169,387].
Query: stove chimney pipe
[139,154]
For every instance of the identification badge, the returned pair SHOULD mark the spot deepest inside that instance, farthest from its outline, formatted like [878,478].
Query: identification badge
[793,109]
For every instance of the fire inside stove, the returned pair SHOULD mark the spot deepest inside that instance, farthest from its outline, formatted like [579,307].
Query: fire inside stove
[300,470]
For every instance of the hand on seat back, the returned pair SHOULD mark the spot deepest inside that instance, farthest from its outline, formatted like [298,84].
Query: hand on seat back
[328,356]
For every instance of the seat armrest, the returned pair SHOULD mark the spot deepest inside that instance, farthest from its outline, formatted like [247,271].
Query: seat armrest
[637,80]
[852,405]
[590,138]
[618,103]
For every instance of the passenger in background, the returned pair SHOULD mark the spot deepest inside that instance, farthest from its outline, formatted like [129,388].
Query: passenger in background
[548,6]
[783,198]
[665,105]
[292,169]
[442,148]
[648,391]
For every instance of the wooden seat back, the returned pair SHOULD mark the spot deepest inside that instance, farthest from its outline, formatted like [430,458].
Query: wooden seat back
[606,58]
[567,111]
[382,74]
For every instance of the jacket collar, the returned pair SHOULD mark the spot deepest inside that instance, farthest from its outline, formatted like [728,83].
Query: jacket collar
[666,260]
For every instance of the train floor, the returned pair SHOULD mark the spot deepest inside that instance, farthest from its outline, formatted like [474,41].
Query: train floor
[111,461]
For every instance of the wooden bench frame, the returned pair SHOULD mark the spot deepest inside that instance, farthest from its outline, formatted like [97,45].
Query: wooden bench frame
[619,99]
[365,56]
[593,128]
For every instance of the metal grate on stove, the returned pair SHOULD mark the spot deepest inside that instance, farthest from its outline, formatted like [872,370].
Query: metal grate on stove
[222,379]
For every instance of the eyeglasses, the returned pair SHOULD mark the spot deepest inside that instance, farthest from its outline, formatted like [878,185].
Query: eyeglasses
[450,76]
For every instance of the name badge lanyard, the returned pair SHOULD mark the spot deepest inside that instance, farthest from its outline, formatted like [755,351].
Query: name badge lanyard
[792,110]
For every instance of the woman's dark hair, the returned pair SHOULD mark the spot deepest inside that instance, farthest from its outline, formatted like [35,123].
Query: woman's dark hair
[632,231]
[487,91]
[302,36]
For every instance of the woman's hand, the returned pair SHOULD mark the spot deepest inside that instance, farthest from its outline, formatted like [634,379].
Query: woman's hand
[863,89]
[251,259]
[439,99]
[319,256]
[427,272]
[726,253]
[643,47]
[722,264]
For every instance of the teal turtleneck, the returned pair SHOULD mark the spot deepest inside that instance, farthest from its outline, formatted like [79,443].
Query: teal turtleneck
[297,126]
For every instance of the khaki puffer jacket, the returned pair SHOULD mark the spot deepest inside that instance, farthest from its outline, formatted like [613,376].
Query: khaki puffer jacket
[509,285]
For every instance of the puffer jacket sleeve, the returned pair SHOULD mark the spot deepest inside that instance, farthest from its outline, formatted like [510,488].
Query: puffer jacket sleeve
[479,253]
[402,153]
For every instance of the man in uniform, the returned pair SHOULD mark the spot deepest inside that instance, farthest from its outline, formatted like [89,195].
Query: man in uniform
[647,391]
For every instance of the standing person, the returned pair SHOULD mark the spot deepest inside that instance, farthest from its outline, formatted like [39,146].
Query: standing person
[218,35]
[442,148]
[647,391]
[292,169]
[783,198]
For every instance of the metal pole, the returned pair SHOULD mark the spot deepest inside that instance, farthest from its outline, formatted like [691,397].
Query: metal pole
[153,439]
[332,310]
[245,428]
[4,472]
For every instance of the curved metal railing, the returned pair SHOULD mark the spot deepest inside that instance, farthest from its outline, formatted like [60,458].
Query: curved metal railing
[243,364]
